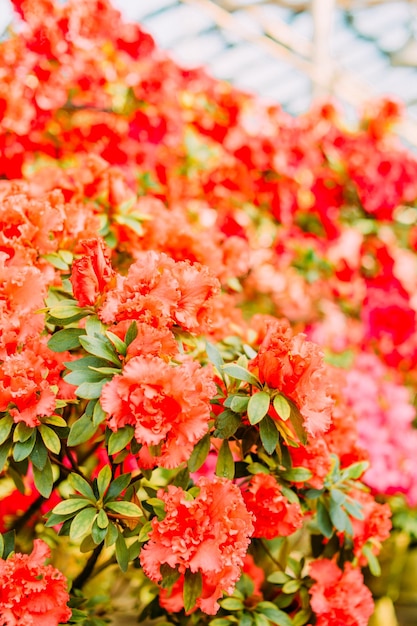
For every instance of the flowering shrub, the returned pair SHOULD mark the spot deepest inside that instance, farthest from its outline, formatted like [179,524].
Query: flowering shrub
[207,338]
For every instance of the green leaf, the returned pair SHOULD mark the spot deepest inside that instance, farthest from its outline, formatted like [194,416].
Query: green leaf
[126,509]
[55,420]
[278,578]
[22,449]
[66,312]
[274,614]
[182,478]
[258,406]
[297,475]
[132,333]
[122,553]
[338,515]
[103,480]
[98,534]
[373,562]
[6,425]
[94,327]
[39,454]
[120,345]
[78,483]
[297,421]
[91,391]
[193,587]
[227,423]
[239,404]
[302,617]
[199,454]
[232,604]
[240,373]
[215,357]
[117,486]
[324,522]
[313,494]
[169,575]
[44,480]
[81,431]
[85,363]
[4,453]
[337,496]
[66,339]
[144,532]
[355,471]
[85,375]
[55,260]
[354,508]
[282,407]
[119,439]
[112,534]
[8,544]
[66,256]
[70,506]
[261,620]
[99,415]
[158,507]
[102,519]
[82,523]
[257,468]
[291,586]
[22,432]
[225,465]
[101,347]
[268,433]
[50,438]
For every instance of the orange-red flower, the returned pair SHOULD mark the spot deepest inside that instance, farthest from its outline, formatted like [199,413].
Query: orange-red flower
[315,456]
[92,273]
[274,515]
[295,366]
[209,534]
[168,406]
[32,593]
[29,382]
[339,598]
[375,525]
[161,292]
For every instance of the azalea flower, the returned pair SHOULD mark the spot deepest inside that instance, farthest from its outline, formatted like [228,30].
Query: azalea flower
[294,366]
[32,593]
[30,382]
[339,597]
[168,405]
[274,515]
[209,534]
[161,292]
[92,273]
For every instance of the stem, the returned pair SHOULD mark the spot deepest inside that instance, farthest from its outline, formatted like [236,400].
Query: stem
[111,561]
[84,575]
[271,556]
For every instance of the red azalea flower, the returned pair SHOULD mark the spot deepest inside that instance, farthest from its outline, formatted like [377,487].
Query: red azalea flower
[295,366]
[209,534]
[168,406]
[32,593]
[274,515]
[314,457]
[339,598]
[91,274]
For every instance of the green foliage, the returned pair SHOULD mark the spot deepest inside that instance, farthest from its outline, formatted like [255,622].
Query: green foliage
[193,586]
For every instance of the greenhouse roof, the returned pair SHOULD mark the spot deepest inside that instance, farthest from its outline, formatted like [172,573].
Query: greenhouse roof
[352,50]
